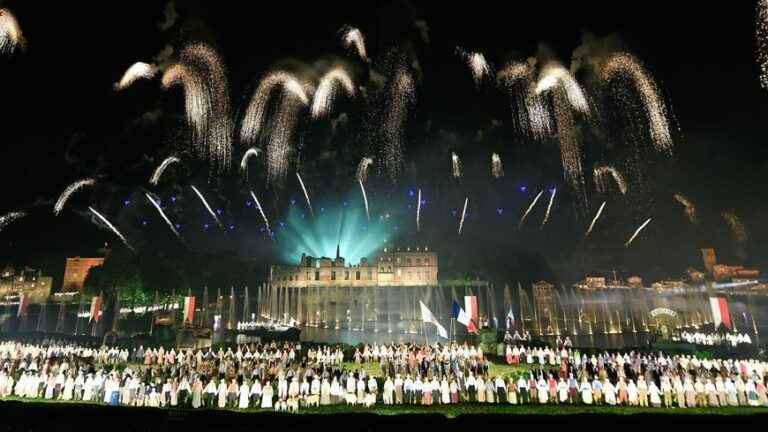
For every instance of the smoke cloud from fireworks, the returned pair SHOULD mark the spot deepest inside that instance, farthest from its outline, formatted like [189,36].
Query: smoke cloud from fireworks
[155,179]
[637,231]
[163,215]
[74,187]
[594,219]
[690,208]
[207,206]
[530,207]
[10,32]
[138,70]
[322,103]
[629,70]
[112,228]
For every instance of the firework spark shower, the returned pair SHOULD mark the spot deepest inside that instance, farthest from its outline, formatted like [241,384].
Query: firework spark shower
[10,32]
[74,187]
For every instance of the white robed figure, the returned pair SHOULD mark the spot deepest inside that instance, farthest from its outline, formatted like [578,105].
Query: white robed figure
[245,394]
[586,391]
[266,395]
[562,390]
[222,394]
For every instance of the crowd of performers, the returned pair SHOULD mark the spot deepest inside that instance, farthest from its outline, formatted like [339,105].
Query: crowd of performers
[288,376]
[713,339]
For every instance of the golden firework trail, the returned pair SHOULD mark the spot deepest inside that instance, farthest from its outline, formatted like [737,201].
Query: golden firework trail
[530,207]
[10,32]
[362,169]
[353,37]
[555,75]
[263,215]
[549,207]
[9,218]
[401,95]
[497,169]
[418,213]
[531,115]
[281,135]
[365,200]
[455,165]
[761,27]
[463,214]
[251,152]
[112,228]
[162,214]
[690,208]
[306,195]
[637,231]
[138,70]
[737,227]
[207,206]
[594,219]
[477,64]
[627,68]
[256,112]
[600,173]
[322,103]
[197,100]
[155,179]
[74,187]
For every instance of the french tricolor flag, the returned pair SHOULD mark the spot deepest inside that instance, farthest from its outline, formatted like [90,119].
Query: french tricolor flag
[720,312]
[470,304]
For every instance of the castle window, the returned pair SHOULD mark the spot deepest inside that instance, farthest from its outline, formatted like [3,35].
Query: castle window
[358,275]
[307,275]
[317,275]
[426,261]
[408,261]
[389,269]
[398,260]
[418,261]
[346,275]
[370,274]
[333,275]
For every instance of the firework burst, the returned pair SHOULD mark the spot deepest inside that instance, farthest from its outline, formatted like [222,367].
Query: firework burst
[594,219]
[162,214]
[261,211]
[353,37]
[690,208]
[251,152]
[197,100]
[9,218]
[322,103]
[530,207]
[256,112]
[401,96]
[738,229]
[554,75]
[601,175]
[761,32]
[463,214]
[455,165]
[158,173]
[497,169]
[418,213]
[637,231]
[207,206]
[477,64]
[530,114]
[362,169]
[74,187]
[628,69]
[10,32]
[111,227]
[137,71]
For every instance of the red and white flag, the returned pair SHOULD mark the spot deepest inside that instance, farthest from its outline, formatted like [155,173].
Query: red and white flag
[23,305]
[95,309]
[720,312]
[189,309]
[470,306]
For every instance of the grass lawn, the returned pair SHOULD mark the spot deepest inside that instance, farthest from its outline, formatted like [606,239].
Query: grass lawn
[452,411]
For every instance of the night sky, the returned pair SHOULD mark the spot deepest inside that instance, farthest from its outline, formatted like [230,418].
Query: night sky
[62,121]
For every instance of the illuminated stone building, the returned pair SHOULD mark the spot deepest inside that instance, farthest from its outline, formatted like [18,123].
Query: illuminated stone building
[28,281]
[76,270]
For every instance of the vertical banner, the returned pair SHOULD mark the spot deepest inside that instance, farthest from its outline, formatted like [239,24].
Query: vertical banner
[470,306]
[720,314]
[189,309]
[23,305]
[95,309]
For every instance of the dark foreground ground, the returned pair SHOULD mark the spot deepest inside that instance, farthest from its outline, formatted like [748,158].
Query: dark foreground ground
[48,417]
